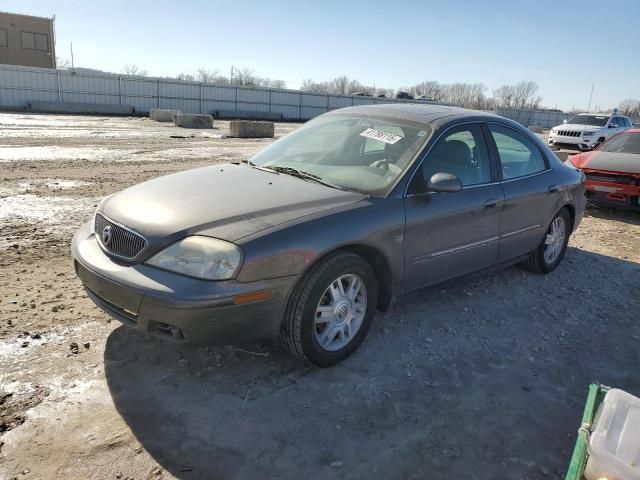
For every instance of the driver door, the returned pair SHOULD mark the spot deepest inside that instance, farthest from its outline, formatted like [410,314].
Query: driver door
[450,234]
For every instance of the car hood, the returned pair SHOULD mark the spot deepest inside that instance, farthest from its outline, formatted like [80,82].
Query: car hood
[608,161]
[226,201]
[577,126]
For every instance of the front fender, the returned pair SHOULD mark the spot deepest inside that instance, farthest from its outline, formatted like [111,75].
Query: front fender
[292,248]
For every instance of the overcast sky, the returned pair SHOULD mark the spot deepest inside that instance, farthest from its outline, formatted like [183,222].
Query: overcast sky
[564,46]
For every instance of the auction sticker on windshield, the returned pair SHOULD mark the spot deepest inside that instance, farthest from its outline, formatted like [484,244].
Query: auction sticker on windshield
[382,136]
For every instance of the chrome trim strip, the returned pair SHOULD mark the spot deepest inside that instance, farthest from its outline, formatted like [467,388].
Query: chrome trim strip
[109,252]
[427,256]
[411,195]
[522,230]
[527,176]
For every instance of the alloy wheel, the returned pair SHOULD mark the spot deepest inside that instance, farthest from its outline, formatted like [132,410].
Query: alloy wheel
[554,241]
[340,312]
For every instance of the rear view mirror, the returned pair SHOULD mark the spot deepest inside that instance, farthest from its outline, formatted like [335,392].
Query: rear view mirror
[444,182]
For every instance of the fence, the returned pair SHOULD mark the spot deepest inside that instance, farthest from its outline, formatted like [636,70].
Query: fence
[21,85]
[537,118]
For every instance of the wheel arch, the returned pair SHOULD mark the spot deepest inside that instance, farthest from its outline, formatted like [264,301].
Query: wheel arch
[572,214]
[378,262]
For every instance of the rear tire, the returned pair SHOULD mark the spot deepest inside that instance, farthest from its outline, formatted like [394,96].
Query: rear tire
[338,294]
[547,257]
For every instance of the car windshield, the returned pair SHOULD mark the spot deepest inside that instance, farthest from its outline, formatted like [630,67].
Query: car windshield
[595,120]
[366,154]
[623,143]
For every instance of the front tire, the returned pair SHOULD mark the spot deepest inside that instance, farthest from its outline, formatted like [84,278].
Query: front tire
[547,257]
[331,310]
[598,143]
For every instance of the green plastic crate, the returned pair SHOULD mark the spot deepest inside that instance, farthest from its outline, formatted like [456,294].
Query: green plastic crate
[580,456]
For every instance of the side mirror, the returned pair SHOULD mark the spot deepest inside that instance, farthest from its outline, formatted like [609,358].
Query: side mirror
[444,182]
[564,121]
[613,125]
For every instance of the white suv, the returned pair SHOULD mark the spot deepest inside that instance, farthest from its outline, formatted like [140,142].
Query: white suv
[586,130]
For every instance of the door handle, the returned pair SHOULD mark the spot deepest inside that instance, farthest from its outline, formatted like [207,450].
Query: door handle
[490,205]
[553,189]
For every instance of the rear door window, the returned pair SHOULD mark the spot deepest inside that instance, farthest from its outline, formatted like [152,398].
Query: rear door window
[519,156]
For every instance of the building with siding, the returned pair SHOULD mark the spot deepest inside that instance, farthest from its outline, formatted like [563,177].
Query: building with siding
[27,41]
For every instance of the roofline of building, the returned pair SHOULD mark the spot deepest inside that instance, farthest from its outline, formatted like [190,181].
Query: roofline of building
[27,16]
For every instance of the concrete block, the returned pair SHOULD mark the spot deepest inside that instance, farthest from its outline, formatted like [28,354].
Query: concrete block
[72,107]
[162,115]
[193,120]
[247,129]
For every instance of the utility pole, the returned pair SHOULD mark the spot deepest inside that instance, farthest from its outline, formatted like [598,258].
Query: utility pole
[231,76]
[590,97]
[72,65]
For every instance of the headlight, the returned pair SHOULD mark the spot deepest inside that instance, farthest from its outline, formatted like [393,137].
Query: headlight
[587,134]
[201,257]
[554,130]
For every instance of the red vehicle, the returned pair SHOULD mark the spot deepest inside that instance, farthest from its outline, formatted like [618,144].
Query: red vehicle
[613,171]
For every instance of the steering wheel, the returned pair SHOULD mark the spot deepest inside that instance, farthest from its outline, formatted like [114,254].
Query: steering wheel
[386,166]
[382,164]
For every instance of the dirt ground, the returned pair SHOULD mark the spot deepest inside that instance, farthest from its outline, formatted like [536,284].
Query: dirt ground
[482,378]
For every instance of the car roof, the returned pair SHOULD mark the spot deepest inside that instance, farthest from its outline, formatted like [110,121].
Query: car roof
[421,113]
[601,114]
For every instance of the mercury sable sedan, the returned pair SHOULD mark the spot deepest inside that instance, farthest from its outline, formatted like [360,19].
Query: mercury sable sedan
[312,235]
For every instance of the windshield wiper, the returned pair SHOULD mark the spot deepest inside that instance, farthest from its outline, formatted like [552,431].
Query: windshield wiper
[302,174]
[264,169]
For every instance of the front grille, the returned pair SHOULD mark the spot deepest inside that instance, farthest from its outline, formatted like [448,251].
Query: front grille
[568,133]
[608,178]
[120,241]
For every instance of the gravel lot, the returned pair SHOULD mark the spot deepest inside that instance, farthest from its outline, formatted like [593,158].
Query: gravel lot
[482,378]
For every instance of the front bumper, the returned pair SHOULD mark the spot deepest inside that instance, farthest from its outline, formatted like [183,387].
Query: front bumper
[174,306]
[613,194]
[579,143]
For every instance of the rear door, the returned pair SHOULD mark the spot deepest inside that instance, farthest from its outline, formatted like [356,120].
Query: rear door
[530,195]
[449,234]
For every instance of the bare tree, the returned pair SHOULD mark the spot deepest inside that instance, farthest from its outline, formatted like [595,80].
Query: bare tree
[132,69]
[340,85]
[520,95]
[243,77]
[209,76]
[267,82]
[63,63]
[429,89]
[630,107]
[186,77]
[387,92]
